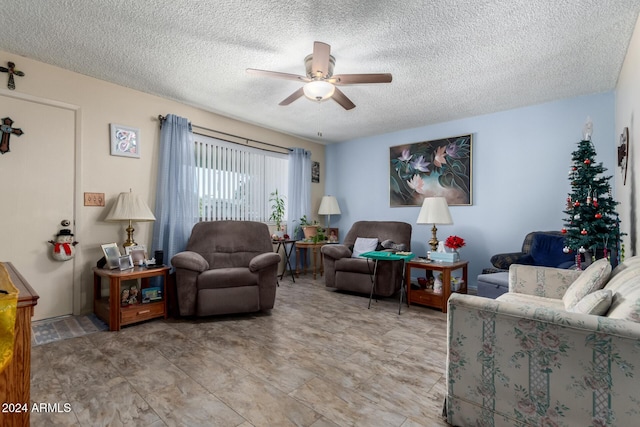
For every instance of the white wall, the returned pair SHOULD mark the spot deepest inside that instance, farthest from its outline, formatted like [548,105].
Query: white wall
[521,159]
[628,115]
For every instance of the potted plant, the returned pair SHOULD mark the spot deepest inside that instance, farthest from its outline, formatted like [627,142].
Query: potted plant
[277,213]
[309,228]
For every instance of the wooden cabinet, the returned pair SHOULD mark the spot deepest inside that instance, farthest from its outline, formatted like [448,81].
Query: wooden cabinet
[108,308]
[15,379]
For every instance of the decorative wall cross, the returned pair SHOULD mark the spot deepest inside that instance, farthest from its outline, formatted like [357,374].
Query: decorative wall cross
[7,130]
[12,71]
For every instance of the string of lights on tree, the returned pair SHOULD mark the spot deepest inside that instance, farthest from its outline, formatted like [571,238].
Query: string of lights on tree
[592,221]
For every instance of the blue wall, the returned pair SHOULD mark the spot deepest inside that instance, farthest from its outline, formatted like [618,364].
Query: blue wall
[521,160]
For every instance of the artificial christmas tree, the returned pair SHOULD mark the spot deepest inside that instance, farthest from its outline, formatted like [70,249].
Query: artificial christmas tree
[592,226]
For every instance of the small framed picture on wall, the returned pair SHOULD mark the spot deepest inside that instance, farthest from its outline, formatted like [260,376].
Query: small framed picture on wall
[125,141]
[315,171]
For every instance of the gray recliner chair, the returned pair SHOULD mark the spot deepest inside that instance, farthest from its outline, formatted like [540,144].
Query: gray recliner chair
[343,272]
[228,267]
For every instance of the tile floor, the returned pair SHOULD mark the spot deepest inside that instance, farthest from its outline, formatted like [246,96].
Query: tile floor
[320,359]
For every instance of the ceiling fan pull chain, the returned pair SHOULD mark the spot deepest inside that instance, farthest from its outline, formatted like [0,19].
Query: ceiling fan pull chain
[318,120]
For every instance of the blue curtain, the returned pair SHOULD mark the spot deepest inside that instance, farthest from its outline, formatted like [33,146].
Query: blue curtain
[177,188]
[299,188]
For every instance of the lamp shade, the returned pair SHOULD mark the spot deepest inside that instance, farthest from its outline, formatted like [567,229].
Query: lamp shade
[318,90]
[128,207]
[329,206]
[434,211]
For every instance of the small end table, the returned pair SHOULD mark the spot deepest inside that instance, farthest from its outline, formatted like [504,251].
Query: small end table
[388,256]
[109,309]
[287,255]
[427,296]
[315,248]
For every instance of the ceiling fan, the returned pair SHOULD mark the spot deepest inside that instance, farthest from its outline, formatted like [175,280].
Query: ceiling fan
[320,81]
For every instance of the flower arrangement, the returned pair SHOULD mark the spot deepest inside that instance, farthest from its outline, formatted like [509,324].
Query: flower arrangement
[454,242]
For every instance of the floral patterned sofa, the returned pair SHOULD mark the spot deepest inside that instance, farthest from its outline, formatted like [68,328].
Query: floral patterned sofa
[535,356]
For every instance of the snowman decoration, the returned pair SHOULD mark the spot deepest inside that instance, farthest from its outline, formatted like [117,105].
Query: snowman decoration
[63,246]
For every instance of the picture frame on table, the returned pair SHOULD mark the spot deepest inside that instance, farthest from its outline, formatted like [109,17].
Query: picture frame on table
[151,294]
[111,255]
[125,262]
[138,254]
[125,141]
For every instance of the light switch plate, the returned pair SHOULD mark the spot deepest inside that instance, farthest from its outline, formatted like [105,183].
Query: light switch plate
[94,199]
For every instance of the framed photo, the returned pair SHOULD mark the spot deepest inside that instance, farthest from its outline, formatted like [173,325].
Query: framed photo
[441,167]
[125,141]
[332,235]
[125,262]
[138,253]
[315,171]
[151,294]
[111,254]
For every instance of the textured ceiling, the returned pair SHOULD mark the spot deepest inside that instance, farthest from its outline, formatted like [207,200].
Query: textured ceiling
[449,59]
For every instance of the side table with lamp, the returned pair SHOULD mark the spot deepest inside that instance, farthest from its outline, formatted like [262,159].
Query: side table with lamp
[129,207]
[435,210]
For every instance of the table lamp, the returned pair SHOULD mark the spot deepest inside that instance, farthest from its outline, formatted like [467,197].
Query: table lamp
[130,207]
[434,211]
[329,206]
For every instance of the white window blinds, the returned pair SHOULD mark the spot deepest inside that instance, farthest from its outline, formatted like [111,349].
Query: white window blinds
[235,181]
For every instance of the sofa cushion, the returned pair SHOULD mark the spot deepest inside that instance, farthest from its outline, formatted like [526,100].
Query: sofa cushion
[547,250]
[626,301]
[596,303]
[531,300]
[592,279]
[364,244]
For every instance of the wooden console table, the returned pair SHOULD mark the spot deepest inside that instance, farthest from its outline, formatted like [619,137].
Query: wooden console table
[15,379]
[109,309]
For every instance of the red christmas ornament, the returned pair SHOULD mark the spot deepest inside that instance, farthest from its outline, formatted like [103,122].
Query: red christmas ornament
[598,215]
[574,168]
[583,232]
[563,231]
[595,203]
[576,204]
[587,162]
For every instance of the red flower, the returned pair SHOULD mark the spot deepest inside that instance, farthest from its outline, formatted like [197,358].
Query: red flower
[454,242]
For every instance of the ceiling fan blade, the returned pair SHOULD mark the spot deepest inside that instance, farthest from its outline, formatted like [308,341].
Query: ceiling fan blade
[278,75]
[295,95]
[342,99]
[320,64]
[352,79]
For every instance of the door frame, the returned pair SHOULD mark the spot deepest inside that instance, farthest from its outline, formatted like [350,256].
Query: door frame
[76,305]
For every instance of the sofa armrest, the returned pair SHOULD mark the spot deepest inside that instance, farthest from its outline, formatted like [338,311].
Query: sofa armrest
[336,251]
[503,261]
[522,363]
[541,281]
[190,261]
[263,260]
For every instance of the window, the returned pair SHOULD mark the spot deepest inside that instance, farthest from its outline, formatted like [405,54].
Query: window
[236,182]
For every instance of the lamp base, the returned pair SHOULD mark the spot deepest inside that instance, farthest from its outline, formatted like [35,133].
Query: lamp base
[129,242]
[434,239]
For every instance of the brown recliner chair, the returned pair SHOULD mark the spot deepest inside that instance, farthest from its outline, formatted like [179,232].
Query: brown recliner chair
[228,267]
[343,272]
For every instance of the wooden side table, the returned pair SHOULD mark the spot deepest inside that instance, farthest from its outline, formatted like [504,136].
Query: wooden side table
[109,309]
[427,296]
[315,249]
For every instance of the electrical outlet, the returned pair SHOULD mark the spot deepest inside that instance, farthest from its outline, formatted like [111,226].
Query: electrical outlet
[94,199]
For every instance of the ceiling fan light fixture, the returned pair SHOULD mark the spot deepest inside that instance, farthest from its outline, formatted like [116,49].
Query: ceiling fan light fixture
[319,90]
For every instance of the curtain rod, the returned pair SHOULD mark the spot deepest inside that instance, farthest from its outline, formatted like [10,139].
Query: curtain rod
[247,140]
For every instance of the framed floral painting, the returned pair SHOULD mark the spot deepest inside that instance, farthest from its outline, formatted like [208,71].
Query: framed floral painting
[440,167]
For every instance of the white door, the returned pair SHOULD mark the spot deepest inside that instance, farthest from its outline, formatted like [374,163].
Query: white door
[37,192]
